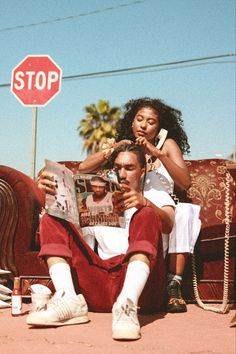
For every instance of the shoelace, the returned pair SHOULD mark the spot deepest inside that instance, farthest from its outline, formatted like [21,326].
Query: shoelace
[56,299]
[40,308]
[129,309]
[174,291]
[54,302]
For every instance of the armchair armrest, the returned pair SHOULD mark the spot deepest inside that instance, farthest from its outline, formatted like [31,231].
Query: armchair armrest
[20,205]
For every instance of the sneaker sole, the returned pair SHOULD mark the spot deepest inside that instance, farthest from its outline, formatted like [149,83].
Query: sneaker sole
[123,335]
[176,310]
[71,321]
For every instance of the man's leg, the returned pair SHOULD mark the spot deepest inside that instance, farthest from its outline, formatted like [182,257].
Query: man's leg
[65,307]
[144,255]
[125,324]
[60,274]
[133,285]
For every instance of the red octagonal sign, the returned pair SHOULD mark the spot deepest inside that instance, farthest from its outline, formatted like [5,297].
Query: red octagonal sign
[36,80]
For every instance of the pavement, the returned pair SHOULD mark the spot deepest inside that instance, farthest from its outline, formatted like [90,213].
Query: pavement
[195,332]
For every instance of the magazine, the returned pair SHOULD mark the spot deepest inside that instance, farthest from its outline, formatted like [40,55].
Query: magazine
[84,199]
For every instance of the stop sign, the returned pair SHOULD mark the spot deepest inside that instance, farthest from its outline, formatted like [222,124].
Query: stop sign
[36,80]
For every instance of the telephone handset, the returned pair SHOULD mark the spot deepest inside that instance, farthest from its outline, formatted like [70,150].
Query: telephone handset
[161,138]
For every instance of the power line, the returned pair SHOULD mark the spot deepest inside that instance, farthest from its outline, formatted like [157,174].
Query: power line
[72,17]
[143,68]
[149,68]
[147,71]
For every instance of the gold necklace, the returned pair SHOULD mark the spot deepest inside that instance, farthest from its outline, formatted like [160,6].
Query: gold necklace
[150,163]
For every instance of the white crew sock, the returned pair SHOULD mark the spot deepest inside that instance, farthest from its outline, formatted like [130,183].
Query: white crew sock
[136,277]
[178,278]
[61,277]
[172,276]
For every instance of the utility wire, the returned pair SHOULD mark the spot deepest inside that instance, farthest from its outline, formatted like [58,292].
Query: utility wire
[147,71]
[149,68]
[137,69]
[72,17]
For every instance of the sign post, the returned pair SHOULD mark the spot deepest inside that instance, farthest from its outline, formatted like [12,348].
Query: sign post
[34,140]
[36,80]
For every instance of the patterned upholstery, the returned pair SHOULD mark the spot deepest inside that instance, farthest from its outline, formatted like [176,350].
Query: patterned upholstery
[214,189]
[208,189]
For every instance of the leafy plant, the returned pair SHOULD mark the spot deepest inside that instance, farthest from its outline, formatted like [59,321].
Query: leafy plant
[98,125]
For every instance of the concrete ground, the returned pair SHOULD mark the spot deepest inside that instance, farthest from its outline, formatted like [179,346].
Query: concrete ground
[194,332]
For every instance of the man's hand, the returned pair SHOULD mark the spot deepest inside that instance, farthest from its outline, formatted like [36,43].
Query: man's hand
[46,183]
[132,198]
[118,202]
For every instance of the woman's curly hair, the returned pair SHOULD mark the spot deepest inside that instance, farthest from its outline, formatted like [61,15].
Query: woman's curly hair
[169,119]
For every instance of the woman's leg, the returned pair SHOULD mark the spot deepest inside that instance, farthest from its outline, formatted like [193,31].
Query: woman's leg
[177,263]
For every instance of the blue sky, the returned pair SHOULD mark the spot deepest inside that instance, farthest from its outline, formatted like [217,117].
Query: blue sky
[96,39]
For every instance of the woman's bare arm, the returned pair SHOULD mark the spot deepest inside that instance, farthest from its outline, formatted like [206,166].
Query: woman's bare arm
[172,158]
[96,161]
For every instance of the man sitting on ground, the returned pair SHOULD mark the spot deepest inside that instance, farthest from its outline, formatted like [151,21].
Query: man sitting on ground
[108,280]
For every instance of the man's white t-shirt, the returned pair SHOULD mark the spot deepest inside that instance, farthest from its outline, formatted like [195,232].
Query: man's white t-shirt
[113,241]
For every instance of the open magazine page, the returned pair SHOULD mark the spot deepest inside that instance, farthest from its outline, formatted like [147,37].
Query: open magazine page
[96,198]
[64,204]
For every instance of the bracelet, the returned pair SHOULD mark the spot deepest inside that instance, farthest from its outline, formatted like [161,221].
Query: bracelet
[108,144]
[145,201]
[108,148]
[107,153]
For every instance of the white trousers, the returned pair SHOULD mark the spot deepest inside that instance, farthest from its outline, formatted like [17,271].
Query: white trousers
[184,234]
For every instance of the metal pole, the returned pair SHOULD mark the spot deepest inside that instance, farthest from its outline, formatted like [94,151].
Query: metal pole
[234,153]
[34,135]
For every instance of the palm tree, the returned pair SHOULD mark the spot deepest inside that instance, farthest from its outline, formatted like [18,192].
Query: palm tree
[98,125]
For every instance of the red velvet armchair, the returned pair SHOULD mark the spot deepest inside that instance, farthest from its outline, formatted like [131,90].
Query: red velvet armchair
[212,187]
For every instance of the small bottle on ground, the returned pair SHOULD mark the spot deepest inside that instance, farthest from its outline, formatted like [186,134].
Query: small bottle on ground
[16,298]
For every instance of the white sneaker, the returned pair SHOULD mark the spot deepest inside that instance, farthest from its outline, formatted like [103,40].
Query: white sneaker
[60,311]
[125,324]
